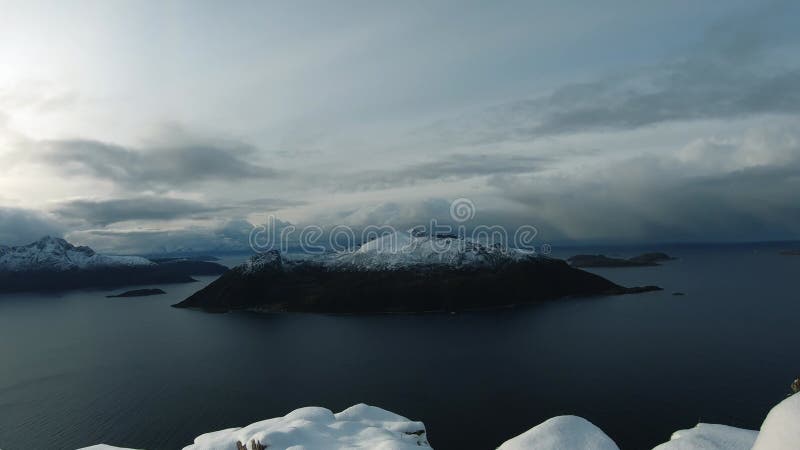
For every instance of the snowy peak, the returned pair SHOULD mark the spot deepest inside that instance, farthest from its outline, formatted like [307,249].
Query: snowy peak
[56,254]
[396,251]
[400,250]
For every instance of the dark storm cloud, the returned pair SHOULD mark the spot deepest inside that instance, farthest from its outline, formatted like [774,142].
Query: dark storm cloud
[105,212]
[450,168]
[109,211]
[230,236]
[157,167]
[686,91]
[21,226]
[730,74]
[646,200]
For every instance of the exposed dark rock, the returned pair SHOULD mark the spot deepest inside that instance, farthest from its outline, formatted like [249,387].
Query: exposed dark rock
[254,445]
[678,293]
[138,293]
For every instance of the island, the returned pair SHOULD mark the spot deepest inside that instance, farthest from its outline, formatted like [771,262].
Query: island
[400,273]
[138,293]
[53,264]
[645,259]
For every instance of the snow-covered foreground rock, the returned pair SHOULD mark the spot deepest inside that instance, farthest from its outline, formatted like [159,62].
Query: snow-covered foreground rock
[781,428]
[710,437]
[313,428]
[562,433]
[368,427]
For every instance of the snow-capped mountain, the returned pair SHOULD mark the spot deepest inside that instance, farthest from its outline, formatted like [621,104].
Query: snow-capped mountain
[56,254]
[397,251]
[399,273]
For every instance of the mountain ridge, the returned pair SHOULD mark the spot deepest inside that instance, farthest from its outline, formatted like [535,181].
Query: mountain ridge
[53,264]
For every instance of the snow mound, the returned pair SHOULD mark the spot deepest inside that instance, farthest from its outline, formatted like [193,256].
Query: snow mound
[314,428]
[781,428]
[561,433]
[706,436]
[56,254]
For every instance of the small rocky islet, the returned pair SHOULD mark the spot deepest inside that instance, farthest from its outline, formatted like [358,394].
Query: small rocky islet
[138,293]
[643,260]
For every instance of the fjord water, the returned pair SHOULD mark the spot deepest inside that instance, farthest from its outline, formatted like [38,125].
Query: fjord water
[80,369]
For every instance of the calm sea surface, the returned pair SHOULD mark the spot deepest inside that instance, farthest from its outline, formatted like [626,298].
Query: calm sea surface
[80,369]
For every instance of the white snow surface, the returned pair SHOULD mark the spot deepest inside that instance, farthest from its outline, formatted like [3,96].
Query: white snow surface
[561,433]
[706,436]
[398,250]
[781,428]
[314,428]
[51,253]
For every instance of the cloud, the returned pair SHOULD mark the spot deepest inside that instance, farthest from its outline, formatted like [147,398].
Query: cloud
[450,168]
[269,204]
[399,214]
[105,212]
[37,96]
[150,208]
[228,236]
[732,73]
[169,165]
[165,164]
[21,226]
[740,189]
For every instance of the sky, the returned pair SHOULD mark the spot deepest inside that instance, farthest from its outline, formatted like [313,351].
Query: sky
[135,126]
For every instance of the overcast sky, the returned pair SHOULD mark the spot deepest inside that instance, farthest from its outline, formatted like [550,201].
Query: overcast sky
[142,126]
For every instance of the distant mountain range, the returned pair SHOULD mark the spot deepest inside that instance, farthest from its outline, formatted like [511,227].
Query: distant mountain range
[54,264]
[400,272]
